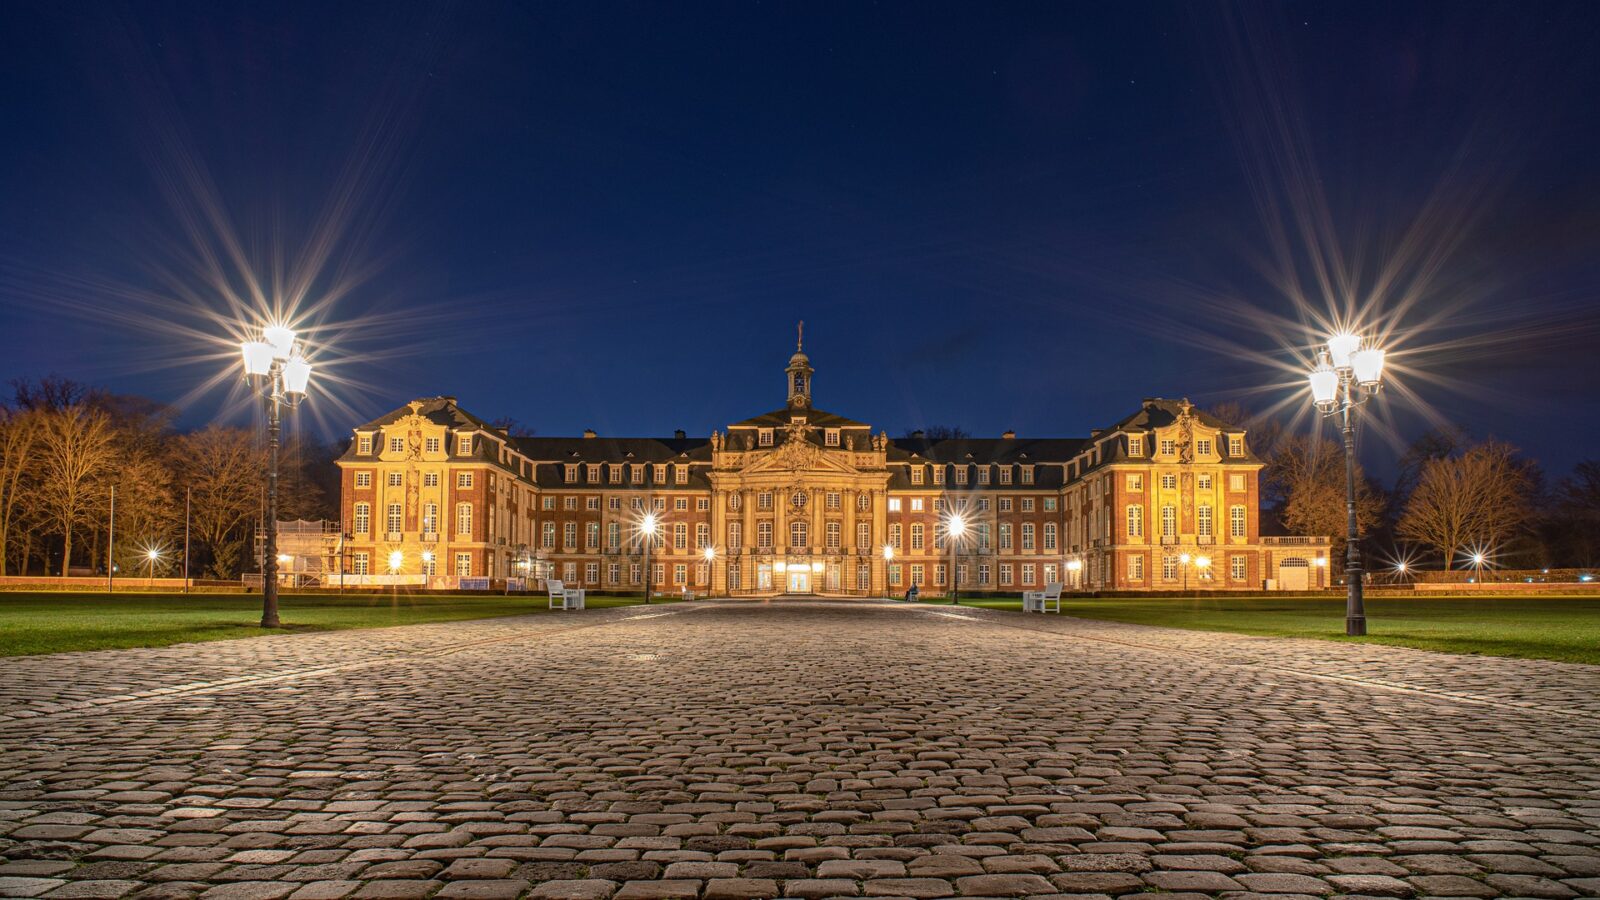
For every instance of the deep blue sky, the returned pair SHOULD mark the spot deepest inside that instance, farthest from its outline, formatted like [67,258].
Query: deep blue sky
[989,215]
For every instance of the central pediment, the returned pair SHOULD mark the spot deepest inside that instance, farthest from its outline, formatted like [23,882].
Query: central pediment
[798,454]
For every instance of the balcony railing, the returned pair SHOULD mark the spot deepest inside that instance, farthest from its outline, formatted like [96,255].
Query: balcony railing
[1205,540]
[1294,541]
[430,537]
[393,536]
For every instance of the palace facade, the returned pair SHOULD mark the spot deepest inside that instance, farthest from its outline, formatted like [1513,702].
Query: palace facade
[799,500]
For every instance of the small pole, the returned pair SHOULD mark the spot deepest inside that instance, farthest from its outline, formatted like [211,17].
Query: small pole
[111,541]
[186,500]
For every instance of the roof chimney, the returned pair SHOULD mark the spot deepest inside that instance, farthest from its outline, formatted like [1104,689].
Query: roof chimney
[588,432]
[679,434]
[917,435]
[1009,435]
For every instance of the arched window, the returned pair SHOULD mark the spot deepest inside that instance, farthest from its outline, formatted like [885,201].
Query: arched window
[464,518]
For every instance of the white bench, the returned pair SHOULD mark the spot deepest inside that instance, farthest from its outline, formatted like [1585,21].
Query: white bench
[1047,600]
[563,597]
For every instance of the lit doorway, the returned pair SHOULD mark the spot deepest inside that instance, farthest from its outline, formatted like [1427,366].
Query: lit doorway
[799,581]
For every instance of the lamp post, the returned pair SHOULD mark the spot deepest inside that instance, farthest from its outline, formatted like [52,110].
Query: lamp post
[1075,566]
[955,526]
[888,556]
[151,556]
[1203,563]
[710,554]
[1349,371]
[1478,560]
[279,374]
[647,528]
[1183,566]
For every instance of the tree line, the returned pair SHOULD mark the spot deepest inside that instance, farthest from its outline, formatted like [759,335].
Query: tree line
[65,447]
[1453,495]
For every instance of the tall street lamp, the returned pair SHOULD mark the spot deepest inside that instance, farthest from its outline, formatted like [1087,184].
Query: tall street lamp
[1075,566]
[1349,371]
[954,528]
[647,531]
[888,556]
[279,374]
[710,554]
[151,556]
[1183,566]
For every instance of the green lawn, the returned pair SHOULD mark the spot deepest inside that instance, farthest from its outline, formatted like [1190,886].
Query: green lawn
[52,622]
[1560,628]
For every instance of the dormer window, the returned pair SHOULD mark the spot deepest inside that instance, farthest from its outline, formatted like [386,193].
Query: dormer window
[660,473]
[637,474]
[831,437]
[916,474]
[1135,445]
[983,474]
[571,472]
[1005,474]
[1235,445]
[431,445]
[464,445]
[1168,447]
[961,474]
[397,445]
[1202,447]
[1027,474]
[682,473]
[938,474]
[594,473]
[765,437]
[364,444]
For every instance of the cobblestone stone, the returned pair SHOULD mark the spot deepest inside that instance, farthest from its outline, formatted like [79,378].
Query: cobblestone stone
[858,749]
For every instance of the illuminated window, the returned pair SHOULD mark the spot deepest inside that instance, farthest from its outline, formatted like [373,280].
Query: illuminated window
[831,437]
[364,444]
[894,504]
[397,445]
[1027,535]
[916,474]
[363,518]
[1202,447]
[363,479]
[1136,567]
[764,437]
[1235,445]
[359,563]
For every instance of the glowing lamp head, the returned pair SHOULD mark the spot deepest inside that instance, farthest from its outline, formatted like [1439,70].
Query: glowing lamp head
[152,555]
[257,357]
[1478,558]
[1074,565]
[1367,366]
[1322,561]
[1183,558]
[648,523]
[710,554]
[1401,567]
[296,375]
[284,558]
[1342,347]
[395,559]
[957,525]
[281,338]
[888,552]
[427,556]
[1324,383]
[1203,562]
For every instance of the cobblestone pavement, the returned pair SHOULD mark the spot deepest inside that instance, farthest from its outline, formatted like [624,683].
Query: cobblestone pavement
[721,750]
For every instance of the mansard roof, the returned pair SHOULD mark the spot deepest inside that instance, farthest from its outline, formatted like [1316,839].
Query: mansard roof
[614,449]
[438,410]
[814,417]
[985,451]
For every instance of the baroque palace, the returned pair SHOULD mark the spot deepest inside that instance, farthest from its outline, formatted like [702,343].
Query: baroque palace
[804,501]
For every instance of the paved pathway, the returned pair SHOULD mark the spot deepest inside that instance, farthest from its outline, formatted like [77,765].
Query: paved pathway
[721,750]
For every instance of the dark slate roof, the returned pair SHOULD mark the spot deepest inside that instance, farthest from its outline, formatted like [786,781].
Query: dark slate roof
[613,449]
[986,451]
[814,417]
[439,410]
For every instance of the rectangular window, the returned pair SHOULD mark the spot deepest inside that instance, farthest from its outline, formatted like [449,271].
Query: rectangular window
[360,563]
[364,444]
[764,500]
[569,536]
[547,503]
[1135,445]
[703,504]
[636,474]
[894,574]
[614,503]
[894,535]
[681,504]
[1203,481]
[1049,504]
[397,445]
[592,504]
[463,479]
[591,536]
[735,535]
[1049,573]
[863,578]
[1135,521]
[680,574]
[961,474]
[983,504]
[592,473]
[1028,572]
[1168,447]
[1169,521]
[547,537]
[659,473]
[1202,447]
[464,565]
[1169,482]
[1237,568]
[397,479]
[894,504]
[1136,567]
[1235,445]
[363,518]
[464,445]
[1005,504]
[831,500]
[1005,474]
[764,535]
[681,474]
[702,535]
[1236,521]
[1005,535]
[832,535]
[983,574]
[831,437]
[863,535]
[1135,482]
[569,503]
[680,536]
[464,520]
[430,479]
[938,474]
[613,573]
[1236,482]
[1203,521]
[1005,574]
[1027,535]
[570,473]
[363,479]
[1169,568]
[614,474]
[1027,474]
[591,573]
[764,437]
[394,519]
[916,575]
[916,504]
[939,574]
[1027,504]
[916,474]
[983,474]
[613,536]
[432,445]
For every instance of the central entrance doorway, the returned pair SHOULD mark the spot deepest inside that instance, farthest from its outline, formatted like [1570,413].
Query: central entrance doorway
[799,581]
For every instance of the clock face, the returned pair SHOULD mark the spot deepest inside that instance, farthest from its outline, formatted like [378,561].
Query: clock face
[799,499]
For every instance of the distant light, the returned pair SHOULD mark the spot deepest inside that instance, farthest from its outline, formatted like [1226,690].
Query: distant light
[1183,558]
[711,553]
[817,566]
[152,555]
[1203,562]
[1074,565]
[1400,567]
[888,552]
[285,558]
[1586,578]
[957,526]
[1322,561]
[1477,559]
[427,556]
[395,560]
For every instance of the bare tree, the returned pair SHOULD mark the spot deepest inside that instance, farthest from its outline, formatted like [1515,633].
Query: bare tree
[1476,499]
[19,432]
[77,448]
[510,426]
[221,467]
[1308,475]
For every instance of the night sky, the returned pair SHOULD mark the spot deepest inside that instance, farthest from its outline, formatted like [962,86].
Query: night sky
[992,216]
